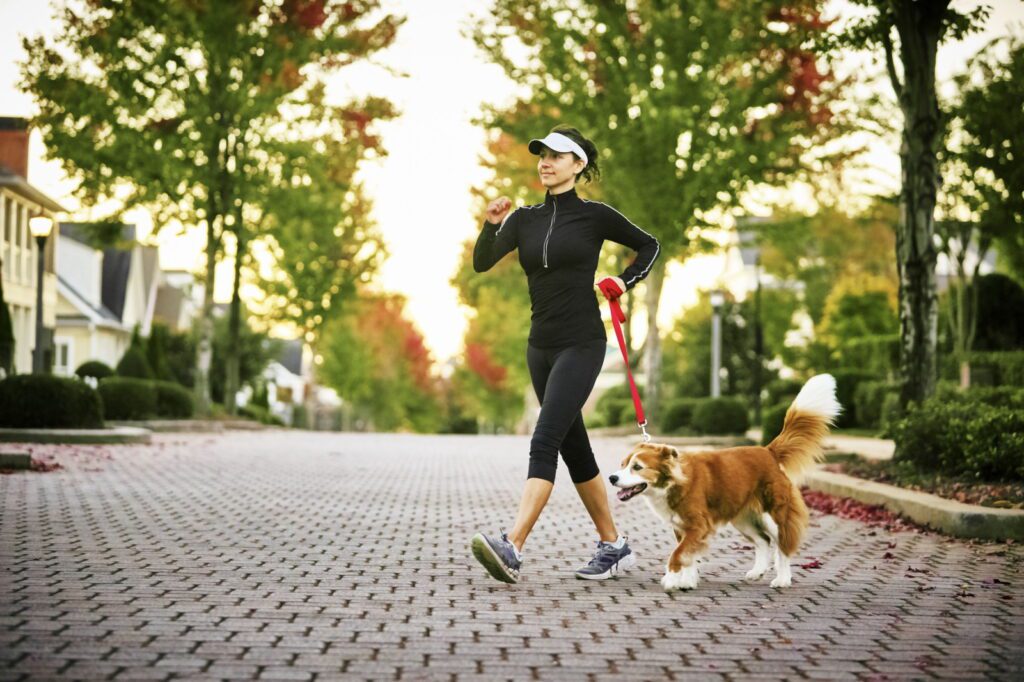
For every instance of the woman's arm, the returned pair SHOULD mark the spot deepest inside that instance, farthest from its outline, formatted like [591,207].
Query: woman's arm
[617,228]
[494,242]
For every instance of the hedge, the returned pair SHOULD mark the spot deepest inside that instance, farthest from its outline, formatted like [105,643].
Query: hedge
[173,401]
[782,391]
[44,401]
[95,369]
[846,389]
[678,414]
[965,437]
[869,401]
[134,364]
[771,422]
[720,416]
[128,398]
[1002,368]
[878,354]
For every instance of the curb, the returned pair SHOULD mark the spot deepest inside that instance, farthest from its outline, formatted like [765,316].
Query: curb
[946,516]
[172,425]
[120,435]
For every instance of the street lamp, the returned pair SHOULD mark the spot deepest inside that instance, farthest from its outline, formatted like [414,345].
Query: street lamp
[717,299]
[40,227]
[750,251]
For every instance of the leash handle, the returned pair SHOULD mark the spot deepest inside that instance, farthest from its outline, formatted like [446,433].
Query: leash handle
[618,317]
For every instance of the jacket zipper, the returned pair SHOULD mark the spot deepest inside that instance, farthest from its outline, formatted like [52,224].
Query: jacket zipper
[554,212]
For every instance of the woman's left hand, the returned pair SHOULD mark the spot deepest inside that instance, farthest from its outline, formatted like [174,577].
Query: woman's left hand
[611,287]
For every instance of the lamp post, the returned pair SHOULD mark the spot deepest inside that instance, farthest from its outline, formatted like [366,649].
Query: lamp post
[40,227]
[750,251]
[717,299]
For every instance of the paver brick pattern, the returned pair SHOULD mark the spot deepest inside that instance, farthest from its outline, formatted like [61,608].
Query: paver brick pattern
[297,556]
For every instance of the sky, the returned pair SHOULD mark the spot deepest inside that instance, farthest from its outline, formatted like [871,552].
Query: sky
[422,202]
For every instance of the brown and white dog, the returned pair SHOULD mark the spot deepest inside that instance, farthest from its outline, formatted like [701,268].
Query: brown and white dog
[753,488]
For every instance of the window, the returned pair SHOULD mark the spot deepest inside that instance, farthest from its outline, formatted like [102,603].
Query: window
[62,359]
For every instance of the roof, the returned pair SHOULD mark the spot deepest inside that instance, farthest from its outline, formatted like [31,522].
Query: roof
[290,356]
[20,186]
[117,267]
[99,315]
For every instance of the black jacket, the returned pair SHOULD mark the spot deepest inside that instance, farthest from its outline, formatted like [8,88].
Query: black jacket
[559,243]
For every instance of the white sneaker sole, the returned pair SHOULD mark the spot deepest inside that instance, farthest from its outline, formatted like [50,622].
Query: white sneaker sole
[624,565]
[491,561]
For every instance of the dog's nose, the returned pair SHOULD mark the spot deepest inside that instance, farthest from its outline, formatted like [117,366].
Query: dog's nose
[613,479]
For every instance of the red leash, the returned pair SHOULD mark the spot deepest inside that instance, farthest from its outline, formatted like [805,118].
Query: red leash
[611,291]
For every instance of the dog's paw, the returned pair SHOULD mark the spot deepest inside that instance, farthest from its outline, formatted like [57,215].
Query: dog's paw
[685,579]
[755,573]
[782,581]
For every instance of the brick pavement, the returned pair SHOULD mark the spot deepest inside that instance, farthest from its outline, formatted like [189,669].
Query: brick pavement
[295,556]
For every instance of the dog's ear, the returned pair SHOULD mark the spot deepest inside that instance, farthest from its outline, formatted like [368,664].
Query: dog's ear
[669,451]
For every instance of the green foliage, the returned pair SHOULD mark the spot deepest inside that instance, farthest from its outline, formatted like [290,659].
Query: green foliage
[134,364]
[678,413]
[716,416]
[6,334]
[128,398]
[846,391]
[261,414]
[614,407]
[878,354]
[1000,324]
[686,371]
[783,391]
[892,412]
[173,401]
[34,401]
[962,437]
[376,360]
[94,368]
[869,399]
[998,369]
[255,351]
[156,352]
[772,421]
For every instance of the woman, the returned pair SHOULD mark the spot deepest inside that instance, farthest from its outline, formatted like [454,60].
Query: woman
[559,243]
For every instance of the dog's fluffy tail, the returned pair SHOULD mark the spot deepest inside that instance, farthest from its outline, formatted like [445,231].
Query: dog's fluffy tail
[798,447]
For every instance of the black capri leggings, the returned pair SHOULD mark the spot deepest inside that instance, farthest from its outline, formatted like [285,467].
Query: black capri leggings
[563,379]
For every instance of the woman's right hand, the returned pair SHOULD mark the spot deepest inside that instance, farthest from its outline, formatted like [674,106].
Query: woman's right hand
[498,209]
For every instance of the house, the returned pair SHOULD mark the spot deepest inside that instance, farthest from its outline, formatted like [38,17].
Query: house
[179,299]
[19,251]
[103,296]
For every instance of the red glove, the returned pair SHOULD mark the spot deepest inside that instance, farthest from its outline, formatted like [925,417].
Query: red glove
[610,288]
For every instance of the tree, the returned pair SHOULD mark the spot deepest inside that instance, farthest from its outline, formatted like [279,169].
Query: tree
[254,348]
[376,360]
[919,28]
[689,104]
[164,104]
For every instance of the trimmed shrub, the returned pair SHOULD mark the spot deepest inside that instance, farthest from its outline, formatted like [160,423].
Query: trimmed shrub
[772,421]
[128,398]
[95,369]
[134,364]
[892,412]
[998,369]
[878,353]
[619,412]
[43,401]
[963,437]
[782,391]
[173,401]
[996,396]
[720,416]
[678,413]
[846,389]
[869,399]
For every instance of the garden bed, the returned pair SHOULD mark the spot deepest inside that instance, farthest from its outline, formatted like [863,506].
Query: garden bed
[968,491]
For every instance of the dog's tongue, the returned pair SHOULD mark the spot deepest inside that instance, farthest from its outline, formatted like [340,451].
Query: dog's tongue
[625,493]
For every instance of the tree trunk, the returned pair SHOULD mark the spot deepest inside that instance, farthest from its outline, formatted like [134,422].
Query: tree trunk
[652,344]
[204,348]
[920,26]
[231,381]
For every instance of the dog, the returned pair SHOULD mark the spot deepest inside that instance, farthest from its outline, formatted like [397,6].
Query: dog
[753,488]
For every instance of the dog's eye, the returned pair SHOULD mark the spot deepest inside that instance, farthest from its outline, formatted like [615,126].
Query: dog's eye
[637,467]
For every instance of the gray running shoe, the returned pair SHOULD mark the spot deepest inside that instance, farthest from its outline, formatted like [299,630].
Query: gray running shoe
[498,556]
[608,562]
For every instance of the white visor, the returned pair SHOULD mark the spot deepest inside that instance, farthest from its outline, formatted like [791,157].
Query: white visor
[560,143]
